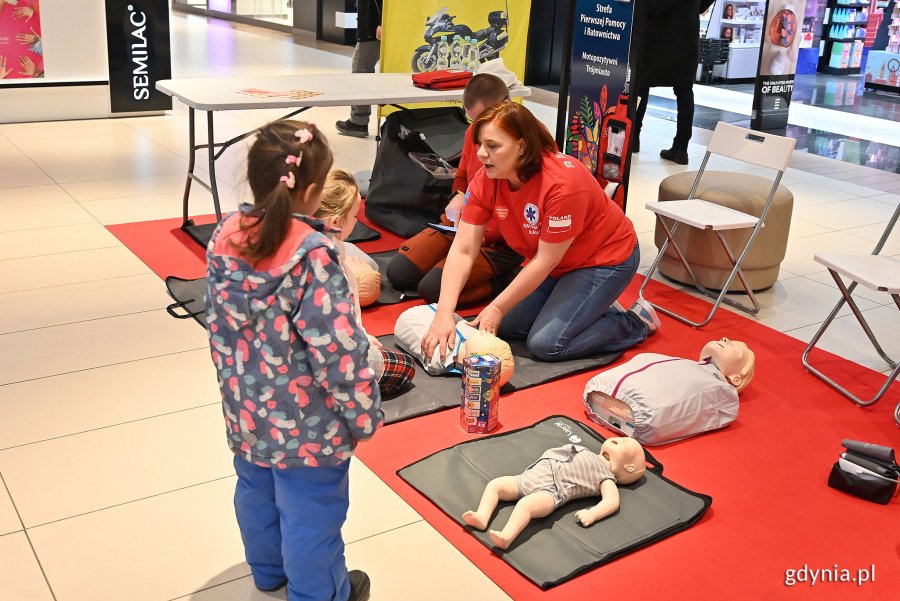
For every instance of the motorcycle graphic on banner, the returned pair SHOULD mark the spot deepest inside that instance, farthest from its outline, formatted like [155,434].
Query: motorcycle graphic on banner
[456,46]
[454,34]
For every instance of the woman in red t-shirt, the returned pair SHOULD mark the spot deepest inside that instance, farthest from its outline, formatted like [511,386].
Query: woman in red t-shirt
[581,249]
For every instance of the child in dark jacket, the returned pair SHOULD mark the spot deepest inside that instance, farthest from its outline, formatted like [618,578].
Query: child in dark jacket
[298,392]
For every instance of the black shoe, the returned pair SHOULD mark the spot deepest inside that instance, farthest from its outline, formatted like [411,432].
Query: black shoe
[269,589]
[636,145]
[359,585]
[675,155]
[349,128]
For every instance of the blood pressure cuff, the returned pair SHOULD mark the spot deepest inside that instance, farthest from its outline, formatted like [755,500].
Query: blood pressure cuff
[555,549]
[435,393]
[867,471]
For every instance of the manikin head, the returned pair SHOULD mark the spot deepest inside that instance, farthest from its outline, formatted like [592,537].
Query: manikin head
[625,457]
[368,281]
[732,357]
[485,343]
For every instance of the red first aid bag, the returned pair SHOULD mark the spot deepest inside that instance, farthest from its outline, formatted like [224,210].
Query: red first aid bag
[444,79]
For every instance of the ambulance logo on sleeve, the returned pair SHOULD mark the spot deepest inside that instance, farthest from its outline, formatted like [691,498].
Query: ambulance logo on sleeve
[531,214]
[558,225]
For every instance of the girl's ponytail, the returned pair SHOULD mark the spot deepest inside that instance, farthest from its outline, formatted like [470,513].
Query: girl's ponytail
[285,159]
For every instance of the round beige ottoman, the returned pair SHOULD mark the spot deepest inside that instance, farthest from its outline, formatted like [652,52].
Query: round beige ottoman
[739,191]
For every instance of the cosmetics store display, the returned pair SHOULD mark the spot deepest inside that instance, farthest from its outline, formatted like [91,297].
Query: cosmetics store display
[740,22]
[883,66]
[843,37]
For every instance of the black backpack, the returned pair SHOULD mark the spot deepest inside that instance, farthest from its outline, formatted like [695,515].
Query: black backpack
[403,196]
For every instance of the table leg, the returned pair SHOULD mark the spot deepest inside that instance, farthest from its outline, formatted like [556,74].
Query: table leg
[213,185]
[202,233]
[192,155]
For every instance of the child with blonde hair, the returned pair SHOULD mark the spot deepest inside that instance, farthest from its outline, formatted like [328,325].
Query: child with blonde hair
[298,391]
[339,209]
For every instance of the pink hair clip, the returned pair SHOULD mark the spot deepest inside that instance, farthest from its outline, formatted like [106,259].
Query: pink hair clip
[293,160]
[304,135]
[288,180]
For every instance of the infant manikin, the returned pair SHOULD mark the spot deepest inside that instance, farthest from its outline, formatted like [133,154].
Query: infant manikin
[413,324]
[658,399]
[561,474]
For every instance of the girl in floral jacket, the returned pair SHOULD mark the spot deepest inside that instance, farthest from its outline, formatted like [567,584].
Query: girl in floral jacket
[298,392]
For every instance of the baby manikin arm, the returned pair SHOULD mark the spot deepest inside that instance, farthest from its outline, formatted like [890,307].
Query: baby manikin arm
[412,326]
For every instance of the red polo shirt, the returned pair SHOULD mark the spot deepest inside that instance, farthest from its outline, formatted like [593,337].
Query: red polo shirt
[562,201]
[469,165]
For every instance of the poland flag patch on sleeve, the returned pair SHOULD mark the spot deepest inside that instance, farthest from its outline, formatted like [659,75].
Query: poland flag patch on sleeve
[558,225]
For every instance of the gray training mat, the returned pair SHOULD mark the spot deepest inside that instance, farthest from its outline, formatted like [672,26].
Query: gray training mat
[389,295]
[362,233]
[554,549]
[188,296]
[433,393]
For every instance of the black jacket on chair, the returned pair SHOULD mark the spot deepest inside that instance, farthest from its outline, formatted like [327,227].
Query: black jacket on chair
[671,42]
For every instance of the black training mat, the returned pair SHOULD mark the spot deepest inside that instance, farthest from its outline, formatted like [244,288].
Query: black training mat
[389,295]
[433,393]
[555,549]
[188,294]
[362,233]
[189,298]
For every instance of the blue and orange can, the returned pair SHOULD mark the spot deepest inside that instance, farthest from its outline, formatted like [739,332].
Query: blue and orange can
[479,407]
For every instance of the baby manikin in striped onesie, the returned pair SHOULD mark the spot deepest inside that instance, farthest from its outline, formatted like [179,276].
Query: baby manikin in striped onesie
[567,472]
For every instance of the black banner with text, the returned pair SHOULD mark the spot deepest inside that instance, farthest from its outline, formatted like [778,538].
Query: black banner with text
[599,110]
[137,43]
[777,64]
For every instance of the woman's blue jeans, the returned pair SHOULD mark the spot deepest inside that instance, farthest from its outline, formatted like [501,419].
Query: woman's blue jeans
[572,316]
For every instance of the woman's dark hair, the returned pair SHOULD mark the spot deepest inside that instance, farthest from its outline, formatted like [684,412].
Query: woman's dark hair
[268,222]
[517,121]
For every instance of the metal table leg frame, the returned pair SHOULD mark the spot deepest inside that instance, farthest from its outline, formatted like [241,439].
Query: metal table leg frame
[214,155]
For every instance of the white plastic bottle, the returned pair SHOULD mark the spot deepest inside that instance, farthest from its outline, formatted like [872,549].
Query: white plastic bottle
[474,59]
[456,53]
[443,55]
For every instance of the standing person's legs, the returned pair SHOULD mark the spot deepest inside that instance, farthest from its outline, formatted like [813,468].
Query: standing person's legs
[259,522]
[644,96]
[313,505]
[365,57]
[578,320]
[684,100]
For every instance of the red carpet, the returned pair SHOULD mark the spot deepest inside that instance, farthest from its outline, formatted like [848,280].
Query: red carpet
[772,511]
[168,251]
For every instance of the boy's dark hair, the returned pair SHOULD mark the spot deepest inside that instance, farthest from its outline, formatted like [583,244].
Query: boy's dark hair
[268,222]
[485,88]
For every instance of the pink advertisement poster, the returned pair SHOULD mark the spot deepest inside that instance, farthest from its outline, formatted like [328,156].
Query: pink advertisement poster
[21,47]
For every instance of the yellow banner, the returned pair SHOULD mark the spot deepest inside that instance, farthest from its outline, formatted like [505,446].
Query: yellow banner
[453,34]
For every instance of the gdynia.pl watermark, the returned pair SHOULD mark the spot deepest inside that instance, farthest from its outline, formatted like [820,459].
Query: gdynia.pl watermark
[813,576]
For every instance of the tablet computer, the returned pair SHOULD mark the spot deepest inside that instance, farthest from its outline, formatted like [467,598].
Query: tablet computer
[446,229]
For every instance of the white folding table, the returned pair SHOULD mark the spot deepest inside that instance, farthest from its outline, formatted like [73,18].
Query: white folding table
[333,89]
